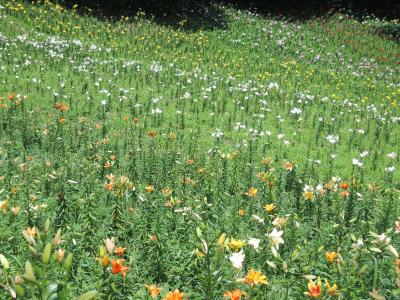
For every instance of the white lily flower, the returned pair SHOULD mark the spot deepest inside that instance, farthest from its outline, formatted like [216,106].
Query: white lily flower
[237,259]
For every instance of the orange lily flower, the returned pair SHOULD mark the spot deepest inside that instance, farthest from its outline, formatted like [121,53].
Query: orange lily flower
[309,195]
[288,166]
[397,265]
[61,106]
[253,278]
[331,290]
[118,267]
[175,295]
[270,207]
[234,295]
[251,192]
[167,192]
[331,256]
[314,290]
[151,133]
[109,186]
[15,210]
[266,161]
[31,231]
[119,251]
[153,290]
[149,189]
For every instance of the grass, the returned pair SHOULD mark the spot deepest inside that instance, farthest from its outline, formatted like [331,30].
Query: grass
[173,139]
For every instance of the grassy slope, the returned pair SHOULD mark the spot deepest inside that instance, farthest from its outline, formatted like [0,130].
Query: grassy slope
[336,69]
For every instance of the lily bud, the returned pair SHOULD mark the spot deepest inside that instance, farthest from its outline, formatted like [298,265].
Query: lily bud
[29,237]
[68,261]
[46,253]
[198,232]
[57,238]
[102,251]
[47,226]
[41,235]
[4,262]
[29,276]
[105,261]
[271,184]
[393,251]
[20,291]
[60,255]
[33,250]
[18,279]
[221,240]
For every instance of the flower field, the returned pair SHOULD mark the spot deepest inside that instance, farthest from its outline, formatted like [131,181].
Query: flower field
[258,159]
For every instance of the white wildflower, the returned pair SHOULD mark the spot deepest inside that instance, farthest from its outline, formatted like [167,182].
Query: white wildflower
[237,259]
[275,238]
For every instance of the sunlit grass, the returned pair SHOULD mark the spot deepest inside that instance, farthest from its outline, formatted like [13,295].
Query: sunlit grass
[247,160]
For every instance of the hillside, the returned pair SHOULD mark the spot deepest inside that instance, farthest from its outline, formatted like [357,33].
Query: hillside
[206,148]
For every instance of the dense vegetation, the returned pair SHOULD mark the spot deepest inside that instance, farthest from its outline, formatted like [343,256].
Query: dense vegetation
[235,156]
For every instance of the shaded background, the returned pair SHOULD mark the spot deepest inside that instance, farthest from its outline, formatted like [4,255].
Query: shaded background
[291,8]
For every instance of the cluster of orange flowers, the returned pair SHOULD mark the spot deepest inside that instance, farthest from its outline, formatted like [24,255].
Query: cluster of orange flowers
[154,291]
[252,278]
[15,99]
[9,97]
[315,289]
[61,106]
[117,265]
[118,186]
[332,185]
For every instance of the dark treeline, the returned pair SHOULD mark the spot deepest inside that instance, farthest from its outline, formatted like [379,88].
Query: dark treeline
[291,8]
[383,8]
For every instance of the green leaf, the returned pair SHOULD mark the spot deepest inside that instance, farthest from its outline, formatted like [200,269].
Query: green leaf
[50,291]
[88,295]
